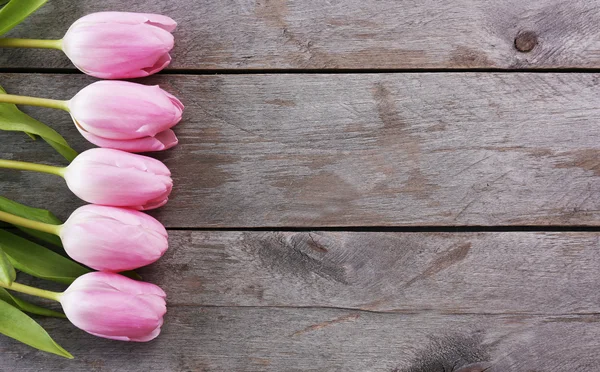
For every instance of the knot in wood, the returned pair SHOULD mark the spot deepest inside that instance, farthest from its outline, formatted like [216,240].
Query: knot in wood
[526,41]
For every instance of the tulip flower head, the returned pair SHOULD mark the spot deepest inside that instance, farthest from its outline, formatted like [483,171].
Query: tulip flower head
[113,239]
[120,179]
[111,177]
[126,116]
[118,114]
[119,45]
[113,306]
[105,238]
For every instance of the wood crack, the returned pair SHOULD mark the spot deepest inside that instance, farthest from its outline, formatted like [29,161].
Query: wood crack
[432,312]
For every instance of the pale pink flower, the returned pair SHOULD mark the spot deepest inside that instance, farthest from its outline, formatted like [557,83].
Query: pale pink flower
[113,239]
[126,116]
[113,306]
[119,179]
[119,45]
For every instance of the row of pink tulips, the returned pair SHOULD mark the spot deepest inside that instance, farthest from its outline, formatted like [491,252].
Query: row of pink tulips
[111,234]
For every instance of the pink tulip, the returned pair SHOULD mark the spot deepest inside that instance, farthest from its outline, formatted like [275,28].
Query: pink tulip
[113,239]
[117,45]
[113,306]
[120,179]
[126,116]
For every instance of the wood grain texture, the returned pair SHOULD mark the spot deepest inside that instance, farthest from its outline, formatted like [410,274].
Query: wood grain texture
[335,34]
[450,273]
[319,150]
[201,339]
[356,149]
[341,301]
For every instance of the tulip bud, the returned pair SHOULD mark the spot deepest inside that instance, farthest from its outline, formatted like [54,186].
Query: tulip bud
[126,116]
[120,179]
[118,45]
[113,306]
[113,239]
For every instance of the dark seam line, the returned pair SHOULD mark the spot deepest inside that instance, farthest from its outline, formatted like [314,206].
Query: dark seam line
[69,71]
[408,229]
[383,229]
[416,311]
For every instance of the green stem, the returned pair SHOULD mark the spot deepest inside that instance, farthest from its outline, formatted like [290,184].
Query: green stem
[34,101]
[33,291]
[22,165]
[24,222]
[30,43]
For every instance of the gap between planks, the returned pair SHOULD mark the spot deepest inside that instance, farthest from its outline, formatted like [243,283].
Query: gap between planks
[201,72]
[427,311]
[400,229]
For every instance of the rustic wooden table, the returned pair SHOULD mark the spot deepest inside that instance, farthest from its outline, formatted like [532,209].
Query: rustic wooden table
[374,185]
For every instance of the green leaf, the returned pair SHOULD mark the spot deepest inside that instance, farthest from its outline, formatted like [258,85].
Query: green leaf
[38,261]
[16,11]
[28,306]
[13,119]
[16,324]
[40,215]
[131,274]
[7,271]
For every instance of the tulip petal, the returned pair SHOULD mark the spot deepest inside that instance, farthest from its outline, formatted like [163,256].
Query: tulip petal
[118,282]
[175,102]
[162,141]
[116,338]
[161,21]
[130,18]
[119,161]
[167,138]
[151,336]
[159,65]
[121,215]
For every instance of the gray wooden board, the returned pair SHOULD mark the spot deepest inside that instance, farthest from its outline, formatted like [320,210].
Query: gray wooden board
[319,150]
[316,34]
[347,301]
[208,339]
[355,149]
[452,273]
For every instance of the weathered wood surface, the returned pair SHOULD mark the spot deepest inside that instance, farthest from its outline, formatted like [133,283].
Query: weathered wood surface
[404,302]
[356,149]
[316,34]
[450,273]
[208,339]
[319,150]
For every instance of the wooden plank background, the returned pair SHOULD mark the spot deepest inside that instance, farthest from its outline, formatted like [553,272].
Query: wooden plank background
[358,149]
[314,301]
[292,339]
[460,273]
[345,199]
[348,34]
